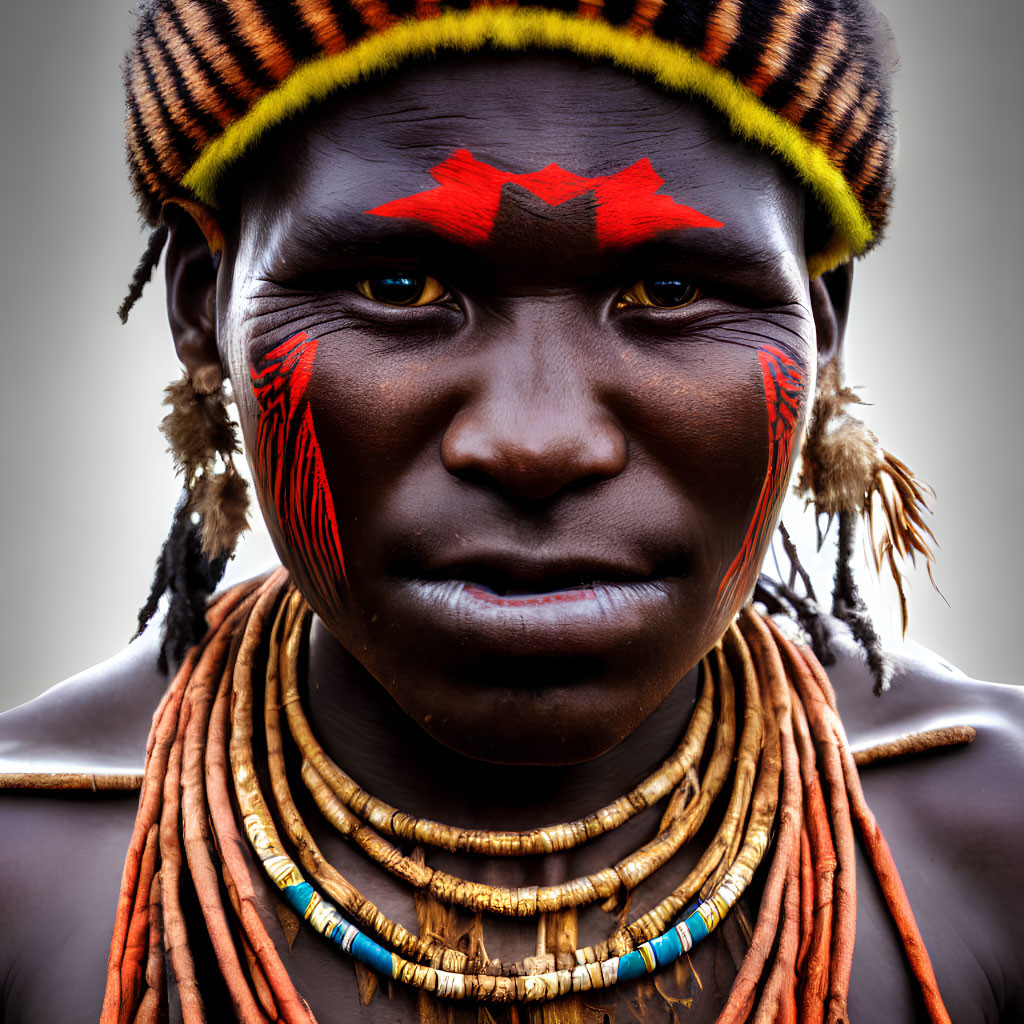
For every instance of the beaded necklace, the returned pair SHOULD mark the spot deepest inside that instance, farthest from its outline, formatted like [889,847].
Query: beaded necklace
[201,779]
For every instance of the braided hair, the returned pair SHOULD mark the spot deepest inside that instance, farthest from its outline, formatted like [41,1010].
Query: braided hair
[189,576]
[781,597]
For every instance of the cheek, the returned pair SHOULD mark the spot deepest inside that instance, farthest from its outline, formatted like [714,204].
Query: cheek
[724,422]
[288,467]
[784,389]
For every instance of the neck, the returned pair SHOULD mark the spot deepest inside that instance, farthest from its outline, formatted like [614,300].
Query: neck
[386,752]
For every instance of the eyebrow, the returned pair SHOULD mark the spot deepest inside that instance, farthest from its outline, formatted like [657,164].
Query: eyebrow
[349,237]
[352,229]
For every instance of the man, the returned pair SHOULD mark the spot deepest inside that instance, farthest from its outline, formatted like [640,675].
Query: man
[518,486]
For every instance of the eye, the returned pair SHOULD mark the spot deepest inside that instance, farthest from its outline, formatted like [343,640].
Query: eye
[661,293]
[402,289]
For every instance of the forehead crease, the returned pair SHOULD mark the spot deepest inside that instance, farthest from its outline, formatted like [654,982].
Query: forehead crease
[581,113]
[399,160]
[575,145]
[377,145]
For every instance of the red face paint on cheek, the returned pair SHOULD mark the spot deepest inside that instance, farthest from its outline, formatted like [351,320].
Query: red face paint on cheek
[289,467]
[464,206]
[783,389]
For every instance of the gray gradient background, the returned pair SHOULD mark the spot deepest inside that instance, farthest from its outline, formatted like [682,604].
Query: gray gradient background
[87,488]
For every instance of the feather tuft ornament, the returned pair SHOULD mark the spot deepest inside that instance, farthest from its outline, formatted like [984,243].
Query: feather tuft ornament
[844,469]
[203,442]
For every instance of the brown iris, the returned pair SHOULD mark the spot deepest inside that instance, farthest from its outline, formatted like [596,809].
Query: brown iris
[660,292]
[399,288]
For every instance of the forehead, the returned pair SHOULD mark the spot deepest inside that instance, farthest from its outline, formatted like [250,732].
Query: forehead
[518,114]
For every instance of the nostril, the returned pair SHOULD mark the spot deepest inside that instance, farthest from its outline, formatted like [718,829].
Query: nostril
[533,457]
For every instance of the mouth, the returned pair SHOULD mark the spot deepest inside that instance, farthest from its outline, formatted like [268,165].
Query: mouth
[514,598]
[504,576]
[514,606]
[543,585]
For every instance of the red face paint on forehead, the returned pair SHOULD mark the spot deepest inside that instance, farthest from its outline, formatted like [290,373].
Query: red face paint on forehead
[465,204]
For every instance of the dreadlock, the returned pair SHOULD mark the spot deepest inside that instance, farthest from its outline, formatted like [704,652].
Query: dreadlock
[144,271]
[848,606]
[190,576]
[781,598]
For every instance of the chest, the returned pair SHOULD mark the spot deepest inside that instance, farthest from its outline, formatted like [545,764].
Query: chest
[58,961]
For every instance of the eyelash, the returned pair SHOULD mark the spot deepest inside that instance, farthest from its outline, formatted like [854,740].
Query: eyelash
[430,287]
[640,294]
[675,292]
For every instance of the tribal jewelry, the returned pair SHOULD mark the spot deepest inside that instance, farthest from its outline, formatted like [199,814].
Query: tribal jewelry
[550,839]
[792,751]
[531,901]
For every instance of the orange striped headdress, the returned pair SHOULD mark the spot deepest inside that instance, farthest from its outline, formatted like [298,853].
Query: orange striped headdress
[807,79]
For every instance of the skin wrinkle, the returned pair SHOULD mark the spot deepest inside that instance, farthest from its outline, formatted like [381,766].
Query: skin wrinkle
[543,130]
[524,306]
[660,387]
[324,227]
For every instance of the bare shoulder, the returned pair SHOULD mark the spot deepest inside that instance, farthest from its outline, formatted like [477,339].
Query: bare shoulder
[926,693]
[62,853]
[952,819]
[97,720]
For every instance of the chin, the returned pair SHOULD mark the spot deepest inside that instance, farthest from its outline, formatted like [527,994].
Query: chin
[528,711]
[553,678]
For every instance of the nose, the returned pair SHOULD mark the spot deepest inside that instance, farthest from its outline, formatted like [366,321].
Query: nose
[532,432]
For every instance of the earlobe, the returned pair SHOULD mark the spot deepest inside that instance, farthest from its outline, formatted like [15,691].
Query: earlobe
[191,277]
[830,306]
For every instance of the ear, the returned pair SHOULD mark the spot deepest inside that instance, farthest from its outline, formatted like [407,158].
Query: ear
[830,305]
[191,275]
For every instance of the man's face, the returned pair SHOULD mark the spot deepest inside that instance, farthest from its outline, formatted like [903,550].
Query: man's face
[522,351]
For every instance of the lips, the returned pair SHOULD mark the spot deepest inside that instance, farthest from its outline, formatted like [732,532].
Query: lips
[516,600]
[464,603]
[516,574]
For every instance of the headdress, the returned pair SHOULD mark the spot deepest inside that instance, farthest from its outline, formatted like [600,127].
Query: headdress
[806,79]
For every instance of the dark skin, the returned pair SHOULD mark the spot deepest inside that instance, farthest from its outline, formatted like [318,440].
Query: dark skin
[526,433]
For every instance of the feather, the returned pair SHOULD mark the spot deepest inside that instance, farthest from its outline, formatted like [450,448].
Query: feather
[200,432]
[845,470]
[901,501]
[222,501]
[840,453]
[198,428]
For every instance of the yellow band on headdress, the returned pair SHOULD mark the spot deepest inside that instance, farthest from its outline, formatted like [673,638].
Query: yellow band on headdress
[674,68]
[807,81]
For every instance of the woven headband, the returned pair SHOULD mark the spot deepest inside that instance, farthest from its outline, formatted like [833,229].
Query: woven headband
[207,79]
